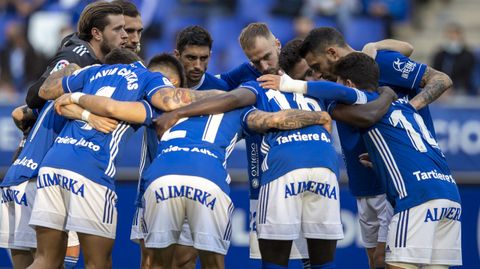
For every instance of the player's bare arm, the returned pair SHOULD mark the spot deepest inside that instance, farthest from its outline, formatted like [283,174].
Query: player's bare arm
[289,119]
[132,112]
[434,83]
[52,87]
[23,118]
[366,115]
[404,48]
[168,99]
[99,123]
[212,105]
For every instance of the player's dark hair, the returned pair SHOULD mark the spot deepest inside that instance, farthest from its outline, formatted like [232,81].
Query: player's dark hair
[251,32]
[172,62]
[290,55]
[193,36]
[360,68]
[129,8]
[320,38]
[121,56]
[95,15]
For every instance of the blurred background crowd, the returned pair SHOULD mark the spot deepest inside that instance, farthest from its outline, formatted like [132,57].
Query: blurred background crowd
[445,33]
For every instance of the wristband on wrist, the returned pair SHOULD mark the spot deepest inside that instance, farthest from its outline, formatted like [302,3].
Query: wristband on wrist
[288,84]
[75,97]
[85,115]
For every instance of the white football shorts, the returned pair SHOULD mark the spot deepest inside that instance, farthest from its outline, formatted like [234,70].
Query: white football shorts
[68,201]
[304,201]
[426,234]
[374,213]
[201,202]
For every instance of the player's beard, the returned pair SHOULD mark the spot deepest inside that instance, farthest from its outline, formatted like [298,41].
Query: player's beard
[271,71]
[105,48]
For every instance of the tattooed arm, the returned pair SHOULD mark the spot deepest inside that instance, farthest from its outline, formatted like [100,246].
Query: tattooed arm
[168,99]
[289,119]
[434,83]
[52,87]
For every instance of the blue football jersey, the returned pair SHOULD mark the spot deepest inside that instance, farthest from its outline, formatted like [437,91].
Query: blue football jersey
[78,143]
[198,146]
[38,142]
[241,74]
[404,151]
[402,75]
[210,82]
[285,151]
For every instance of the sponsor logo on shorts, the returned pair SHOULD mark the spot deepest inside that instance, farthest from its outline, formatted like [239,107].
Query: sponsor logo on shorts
[69,184]
[436,214]
[9,195]
[197,195]
[323,189]
[29,163]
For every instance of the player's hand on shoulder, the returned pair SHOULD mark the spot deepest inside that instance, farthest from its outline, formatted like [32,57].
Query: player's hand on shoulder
[326,120]
[364,159]
[165,122]
[389,91]
[102,124]
[270,81]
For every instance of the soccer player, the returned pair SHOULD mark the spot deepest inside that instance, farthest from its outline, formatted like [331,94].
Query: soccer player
[425,231]
[321,49]
[293,64]
[99,30]
[193,49]
[133,24]
[172,69]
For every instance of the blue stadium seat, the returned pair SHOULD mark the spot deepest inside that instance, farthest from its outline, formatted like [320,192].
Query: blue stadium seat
[254,10]
[175,23]
[362,30]
[224,31]
[281,27]
[324,22]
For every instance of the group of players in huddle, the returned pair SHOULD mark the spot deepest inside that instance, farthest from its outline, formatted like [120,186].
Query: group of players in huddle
[59,192]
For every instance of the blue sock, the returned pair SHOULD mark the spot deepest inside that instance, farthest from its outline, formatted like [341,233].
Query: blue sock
[328,265]
[70,262]
[266,265]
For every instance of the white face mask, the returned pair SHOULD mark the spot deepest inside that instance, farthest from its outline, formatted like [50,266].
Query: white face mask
[453,47]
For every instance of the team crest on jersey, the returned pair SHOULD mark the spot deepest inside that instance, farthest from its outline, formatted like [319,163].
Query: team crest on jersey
[60,65]
[404,67]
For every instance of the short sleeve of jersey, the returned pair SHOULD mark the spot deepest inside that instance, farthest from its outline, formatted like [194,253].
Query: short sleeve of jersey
[157,82]
[252,86]
[150,114]
[244,116]
[398,70]
[76,81]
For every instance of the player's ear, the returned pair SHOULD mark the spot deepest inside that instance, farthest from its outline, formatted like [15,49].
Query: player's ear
[96,34]
[278,45]
[350,84]
[176,53]
[332,53]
